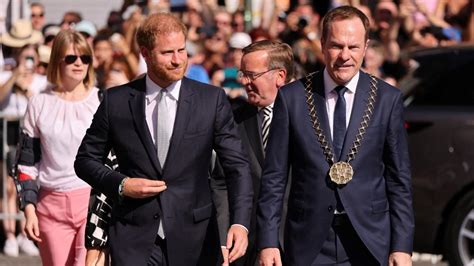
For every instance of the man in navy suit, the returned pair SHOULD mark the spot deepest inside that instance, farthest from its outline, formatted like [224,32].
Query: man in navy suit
[266,66]
[341,132]
[163,128]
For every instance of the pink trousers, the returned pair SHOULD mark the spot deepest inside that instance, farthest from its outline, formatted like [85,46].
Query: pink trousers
[62,222]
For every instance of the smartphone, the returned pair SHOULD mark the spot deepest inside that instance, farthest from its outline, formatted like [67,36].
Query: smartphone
[116,37]
[29,63]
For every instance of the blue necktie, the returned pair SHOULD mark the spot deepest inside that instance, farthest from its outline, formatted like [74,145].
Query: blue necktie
[339,125]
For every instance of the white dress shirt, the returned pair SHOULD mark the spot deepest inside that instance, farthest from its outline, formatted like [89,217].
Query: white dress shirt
[271,114]
[171,98]
[331,97]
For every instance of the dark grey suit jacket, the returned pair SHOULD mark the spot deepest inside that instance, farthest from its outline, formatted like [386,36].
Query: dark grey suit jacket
[378,200]
[249,122]
[203,122]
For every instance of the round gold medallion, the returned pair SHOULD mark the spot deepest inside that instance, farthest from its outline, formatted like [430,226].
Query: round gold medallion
[341,173]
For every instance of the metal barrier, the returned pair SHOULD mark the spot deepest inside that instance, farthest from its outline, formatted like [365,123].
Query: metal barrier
[6,148]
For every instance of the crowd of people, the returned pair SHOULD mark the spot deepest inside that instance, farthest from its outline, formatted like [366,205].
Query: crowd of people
[54,76]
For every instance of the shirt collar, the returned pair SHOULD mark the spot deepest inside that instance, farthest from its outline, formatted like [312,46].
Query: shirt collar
[330,85]
[271,105]
[153,89]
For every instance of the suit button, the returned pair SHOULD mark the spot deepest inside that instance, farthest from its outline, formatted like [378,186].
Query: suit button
[330,208]
[156,216]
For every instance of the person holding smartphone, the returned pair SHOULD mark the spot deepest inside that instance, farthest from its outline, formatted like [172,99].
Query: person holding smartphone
[16,87]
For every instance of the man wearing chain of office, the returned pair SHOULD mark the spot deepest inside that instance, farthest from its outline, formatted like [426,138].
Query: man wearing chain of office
[341,133]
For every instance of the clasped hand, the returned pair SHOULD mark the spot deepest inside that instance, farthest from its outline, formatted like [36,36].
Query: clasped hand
[140,188]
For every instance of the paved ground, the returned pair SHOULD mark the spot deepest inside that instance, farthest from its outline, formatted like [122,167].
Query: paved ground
[19,261]
[420,260]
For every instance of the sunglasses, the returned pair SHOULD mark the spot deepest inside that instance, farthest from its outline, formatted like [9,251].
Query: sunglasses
[70,59]
[40,15]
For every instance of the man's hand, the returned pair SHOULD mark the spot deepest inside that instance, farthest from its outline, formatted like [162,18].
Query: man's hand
[237,242]
[269,257]
[399,259]
[140,188]
[225,255]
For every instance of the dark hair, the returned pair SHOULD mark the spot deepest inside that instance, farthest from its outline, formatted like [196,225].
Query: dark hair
[19,51]
[73,16]
[280,55]
[101,38]
[436,31]
[343,13]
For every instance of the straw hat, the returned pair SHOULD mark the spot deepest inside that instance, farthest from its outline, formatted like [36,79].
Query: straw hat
[44,53]
[20,34]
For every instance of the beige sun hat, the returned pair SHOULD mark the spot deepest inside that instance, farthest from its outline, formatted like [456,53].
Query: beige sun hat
[44,53]
[20,34]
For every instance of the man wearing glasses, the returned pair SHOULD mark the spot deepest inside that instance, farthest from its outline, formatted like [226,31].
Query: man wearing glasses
[265,67]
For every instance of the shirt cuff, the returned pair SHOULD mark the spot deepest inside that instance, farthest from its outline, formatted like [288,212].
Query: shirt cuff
[242,227]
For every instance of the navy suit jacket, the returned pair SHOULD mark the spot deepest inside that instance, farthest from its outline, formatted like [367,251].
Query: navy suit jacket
[203,122]
[247,118]
[378,200]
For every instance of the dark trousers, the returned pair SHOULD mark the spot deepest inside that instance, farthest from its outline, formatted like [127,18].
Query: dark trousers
[158,254]
[343,246]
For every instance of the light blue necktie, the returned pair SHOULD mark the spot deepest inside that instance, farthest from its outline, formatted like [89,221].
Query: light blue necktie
[163,136]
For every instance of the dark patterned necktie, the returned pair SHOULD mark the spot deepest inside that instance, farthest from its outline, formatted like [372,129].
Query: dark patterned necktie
[267,115]
[339,125]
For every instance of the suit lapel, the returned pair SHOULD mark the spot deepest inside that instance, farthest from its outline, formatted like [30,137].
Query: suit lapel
[137,108]
[247,116]
[358,108]
[183,114]
[320,104]
[254,135]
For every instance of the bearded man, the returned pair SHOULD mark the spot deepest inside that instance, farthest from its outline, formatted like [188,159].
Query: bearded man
[163,128]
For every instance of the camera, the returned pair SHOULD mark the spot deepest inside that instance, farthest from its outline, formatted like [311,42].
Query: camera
[302,22]
[282,16]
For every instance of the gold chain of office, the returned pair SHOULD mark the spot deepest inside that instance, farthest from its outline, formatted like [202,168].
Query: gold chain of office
[340,172]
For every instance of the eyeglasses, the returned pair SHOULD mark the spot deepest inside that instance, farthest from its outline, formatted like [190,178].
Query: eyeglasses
[70,59]
[40,15]
[250,76]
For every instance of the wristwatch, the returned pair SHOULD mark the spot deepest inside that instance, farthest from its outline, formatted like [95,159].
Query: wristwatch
[121,186]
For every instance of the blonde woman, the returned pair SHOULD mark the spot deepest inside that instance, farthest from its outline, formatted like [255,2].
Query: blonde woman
[55,123]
